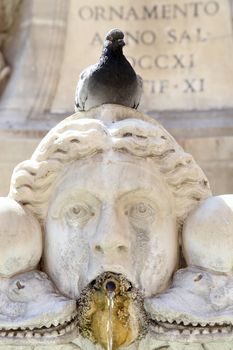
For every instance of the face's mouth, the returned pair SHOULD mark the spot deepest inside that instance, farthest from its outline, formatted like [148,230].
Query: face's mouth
[111,282]
[98,275]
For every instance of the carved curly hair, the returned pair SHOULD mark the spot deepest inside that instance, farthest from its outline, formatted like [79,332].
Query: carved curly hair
[109,127]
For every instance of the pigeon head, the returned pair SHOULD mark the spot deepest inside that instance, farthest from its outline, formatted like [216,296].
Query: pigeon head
[114,39]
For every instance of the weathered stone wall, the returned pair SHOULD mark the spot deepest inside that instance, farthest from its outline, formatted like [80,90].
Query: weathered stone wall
[183,50]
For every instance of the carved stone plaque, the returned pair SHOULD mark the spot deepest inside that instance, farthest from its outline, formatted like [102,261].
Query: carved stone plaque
[182,49]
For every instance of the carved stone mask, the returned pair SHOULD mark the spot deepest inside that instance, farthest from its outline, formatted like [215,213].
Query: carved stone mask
[119,218]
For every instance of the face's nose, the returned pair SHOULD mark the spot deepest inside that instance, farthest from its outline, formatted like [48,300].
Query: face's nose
[111,235]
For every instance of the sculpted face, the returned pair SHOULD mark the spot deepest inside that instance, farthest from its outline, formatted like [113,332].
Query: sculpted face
[111,213]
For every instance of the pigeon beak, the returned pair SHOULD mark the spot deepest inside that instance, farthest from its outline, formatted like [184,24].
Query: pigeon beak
[121,42]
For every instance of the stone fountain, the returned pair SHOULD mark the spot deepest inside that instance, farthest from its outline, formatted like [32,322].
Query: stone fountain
[111,227]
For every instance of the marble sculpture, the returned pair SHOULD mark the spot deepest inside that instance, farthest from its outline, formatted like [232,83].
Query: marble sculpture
[109,195]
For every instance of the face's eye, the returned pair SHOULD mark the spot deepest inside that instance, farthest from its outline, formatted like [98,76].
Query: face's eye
[140,213]
[79,214]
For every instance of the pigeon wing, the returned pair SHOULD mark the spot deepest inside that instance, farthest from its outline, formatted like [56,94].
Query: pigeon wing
[81,93]
[138,94]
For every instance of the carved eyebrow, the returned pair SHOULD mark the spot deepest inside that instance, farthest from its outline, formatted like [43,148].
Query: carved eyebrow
[138,193]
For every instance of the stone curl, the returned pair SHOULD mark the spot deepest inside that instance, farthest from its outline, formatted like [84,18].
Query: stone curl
[108,128]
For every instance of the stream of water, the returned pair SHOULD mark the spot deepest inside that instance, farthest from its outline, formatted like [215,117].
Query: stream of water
[110,296]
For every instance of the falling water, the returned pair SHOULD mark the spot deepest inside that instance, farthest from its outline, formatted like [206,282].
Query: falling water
[110,288]
[110,297]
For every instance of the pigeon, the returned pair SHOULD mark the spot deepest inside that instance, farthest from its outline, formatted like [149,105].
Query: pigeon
[111,80]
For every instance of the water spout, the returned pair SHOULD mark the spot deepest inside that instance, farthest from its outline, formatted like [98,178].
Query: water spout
[110,286]
[110,297]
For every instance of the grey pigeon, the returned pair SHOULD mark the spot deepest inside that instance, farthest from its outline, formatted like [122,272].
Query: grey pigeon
[111,80]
